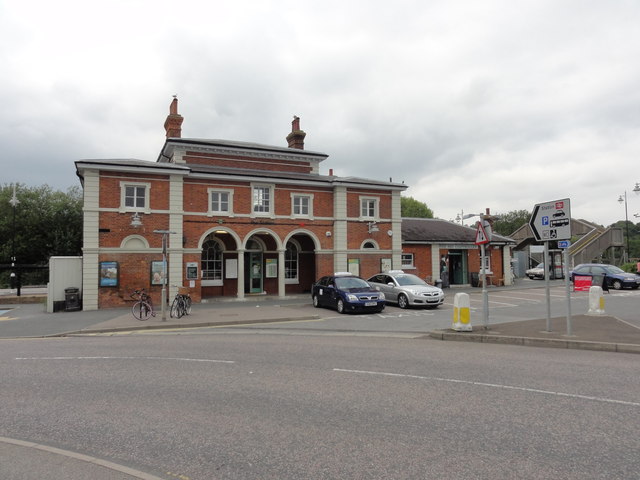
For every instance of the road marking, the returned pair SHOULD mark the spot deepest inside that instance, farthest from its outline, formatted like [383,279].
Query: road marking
[494,385]
[204,360]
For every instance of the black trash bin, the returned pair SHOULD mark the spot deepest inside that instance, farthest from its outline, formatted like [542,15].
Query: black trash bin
[71,299]
[475,279]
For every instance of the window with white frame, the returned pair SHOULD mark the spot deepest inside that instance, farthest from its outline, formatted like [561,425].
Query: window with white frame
[485,264]
[220,202]
[291,262]
[262,199]
[301,205]
[368,207]
[407,260]
[212,260]
[134,196]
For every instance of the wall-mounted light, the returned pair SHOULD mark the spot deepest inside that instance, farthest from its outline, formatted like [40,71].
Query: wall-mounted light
[373,227]
[136,221]
[328,233]
[390,233]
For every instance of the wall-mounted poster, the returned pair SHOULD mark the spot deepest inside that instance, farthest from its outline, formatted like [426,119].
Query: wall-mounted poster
[109,273]
[157,273]
[271,267]
[354,266]
[385,264]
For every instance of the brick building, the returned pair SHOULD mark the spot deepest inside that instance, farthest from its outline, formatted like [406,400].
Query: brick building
[431,246]
[245,219]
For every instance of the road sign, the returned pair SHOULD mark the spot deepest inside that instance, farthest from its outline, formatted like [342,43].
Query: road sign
[481,235]
[551,220]
[564,244]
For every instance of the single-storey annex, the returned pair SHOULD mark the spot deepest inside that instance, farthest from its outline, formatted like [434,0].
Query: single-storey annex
[436,249]
[238,219]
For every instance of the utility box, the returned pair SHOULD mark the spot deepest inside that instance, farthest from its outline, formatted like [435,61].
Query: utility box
[71,299]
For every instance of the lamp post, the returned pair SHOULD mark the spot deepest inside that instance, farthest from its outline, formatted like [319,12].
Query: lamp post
[14,203]
[165,277]
[625,257]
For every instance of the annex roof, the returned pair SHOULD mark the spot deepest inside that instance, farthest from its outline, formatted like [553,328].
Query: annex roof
[434,230]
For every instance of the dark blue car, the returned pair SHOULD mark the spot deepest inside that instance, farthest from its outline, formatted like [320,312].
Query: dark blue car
[346,293]
[614,276]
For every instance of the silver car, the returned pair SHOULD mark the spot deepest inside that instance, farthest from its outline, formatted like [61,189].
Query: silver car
[406,289]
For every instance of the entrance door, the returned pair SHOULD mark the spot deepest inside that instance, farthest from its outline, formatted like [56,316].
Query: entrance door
[458,267]
[255,272]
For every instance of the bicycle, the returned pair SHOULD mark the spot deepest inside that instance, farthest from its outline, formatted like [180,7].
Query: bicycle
[181,304]
[143,307]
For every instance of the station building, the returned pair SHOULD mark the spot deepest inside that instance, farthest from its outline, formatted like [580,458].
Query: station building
[229,219]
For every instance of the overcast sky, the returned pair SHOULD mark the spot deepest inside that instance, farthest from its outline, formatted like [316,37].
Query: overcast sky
[496,104]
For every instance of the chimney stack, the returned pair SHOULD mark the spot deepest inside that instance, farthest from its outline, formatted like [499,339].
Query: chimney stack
[173,123]
[296,137]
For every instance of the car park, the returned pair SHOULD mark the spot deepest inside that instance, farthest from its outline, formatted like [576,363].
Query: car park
[612,276]
[406,289]
[347,293]
[536,272]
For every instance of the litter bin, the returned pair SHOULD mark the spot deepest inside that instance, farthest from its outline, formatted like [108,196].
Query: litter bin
[71,299]
[475,279]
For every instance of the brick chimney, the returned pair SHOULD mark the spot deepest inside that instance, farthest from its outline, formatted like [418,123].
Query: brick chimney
[296,137]
[173,123]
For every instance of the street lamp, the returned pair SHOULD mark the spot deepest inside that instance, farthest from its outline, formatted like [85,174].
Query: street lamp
[625,258]
[461,217]
[165,277]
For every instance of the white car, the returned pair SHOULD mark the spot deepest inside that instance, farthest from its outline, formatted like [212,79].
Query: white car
[406,289]
[536,272]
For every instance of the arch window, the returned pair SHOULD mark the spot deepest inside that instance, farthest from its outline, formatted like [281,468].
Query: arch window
[211,260]
[291,262]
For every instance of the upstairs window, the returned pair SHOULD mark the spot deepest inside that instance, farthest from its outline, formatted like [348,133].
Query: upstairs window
[301,205]
[220,202]
[262,199]
[368,208]
[134,196]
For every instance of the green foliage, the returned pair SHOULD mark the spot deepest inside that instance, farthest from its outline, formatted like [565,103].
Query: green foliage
[634,238]
[47,223]
[511,221]
[412,208]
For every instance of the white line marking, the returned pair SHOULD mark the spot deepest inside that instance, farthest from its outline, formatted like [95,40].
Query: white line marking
[494,385]
[205,360]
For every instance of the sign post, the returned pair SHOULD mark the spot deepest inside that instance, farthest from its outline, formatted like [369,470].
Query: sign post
[482,238]
[551,221]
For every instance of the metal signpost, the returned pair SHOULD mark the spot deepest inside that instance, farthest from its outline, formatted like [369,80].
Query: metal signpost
[165,277]
[482,238]
[551,221]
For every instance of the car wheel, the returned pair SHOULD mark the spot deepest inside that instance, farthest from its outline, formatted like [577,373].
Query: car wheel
[316,302]
[403,302]
[617,284]
[340,306]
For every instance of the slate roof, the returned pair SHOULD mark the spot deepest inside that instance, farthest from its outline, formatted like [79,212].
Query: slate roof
[434,230]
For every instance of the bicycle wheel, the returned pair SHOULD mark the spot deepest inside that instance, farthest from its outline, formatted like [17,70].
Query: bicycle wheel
[141,310]
[174,311]
[187,303]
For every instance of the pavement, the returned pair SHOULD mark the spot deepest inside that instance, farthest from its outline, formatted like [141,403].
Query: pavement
[19,320]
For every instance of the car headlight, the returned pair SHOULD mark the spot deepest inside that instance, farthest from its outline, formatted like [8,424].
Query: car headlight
[382,297]
[352,298]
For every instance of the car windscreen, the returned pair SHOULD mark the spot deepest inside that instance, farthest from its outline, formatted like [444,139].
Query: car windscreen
[408,279]
[347,283]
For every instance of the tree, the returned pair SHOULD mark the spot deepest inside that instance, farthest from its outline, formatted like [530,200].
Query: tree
[511,221]
[412,208]
[48,223]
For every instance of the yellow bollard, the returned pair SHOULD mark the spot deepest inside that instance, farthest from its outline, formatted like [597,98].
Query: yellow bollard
[596,301]
[461,313]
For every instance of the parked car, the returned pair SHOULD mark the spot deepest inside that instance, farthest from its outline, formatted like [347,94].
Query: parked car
[614,276]
[347,293]
[407,289]
[536,272]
